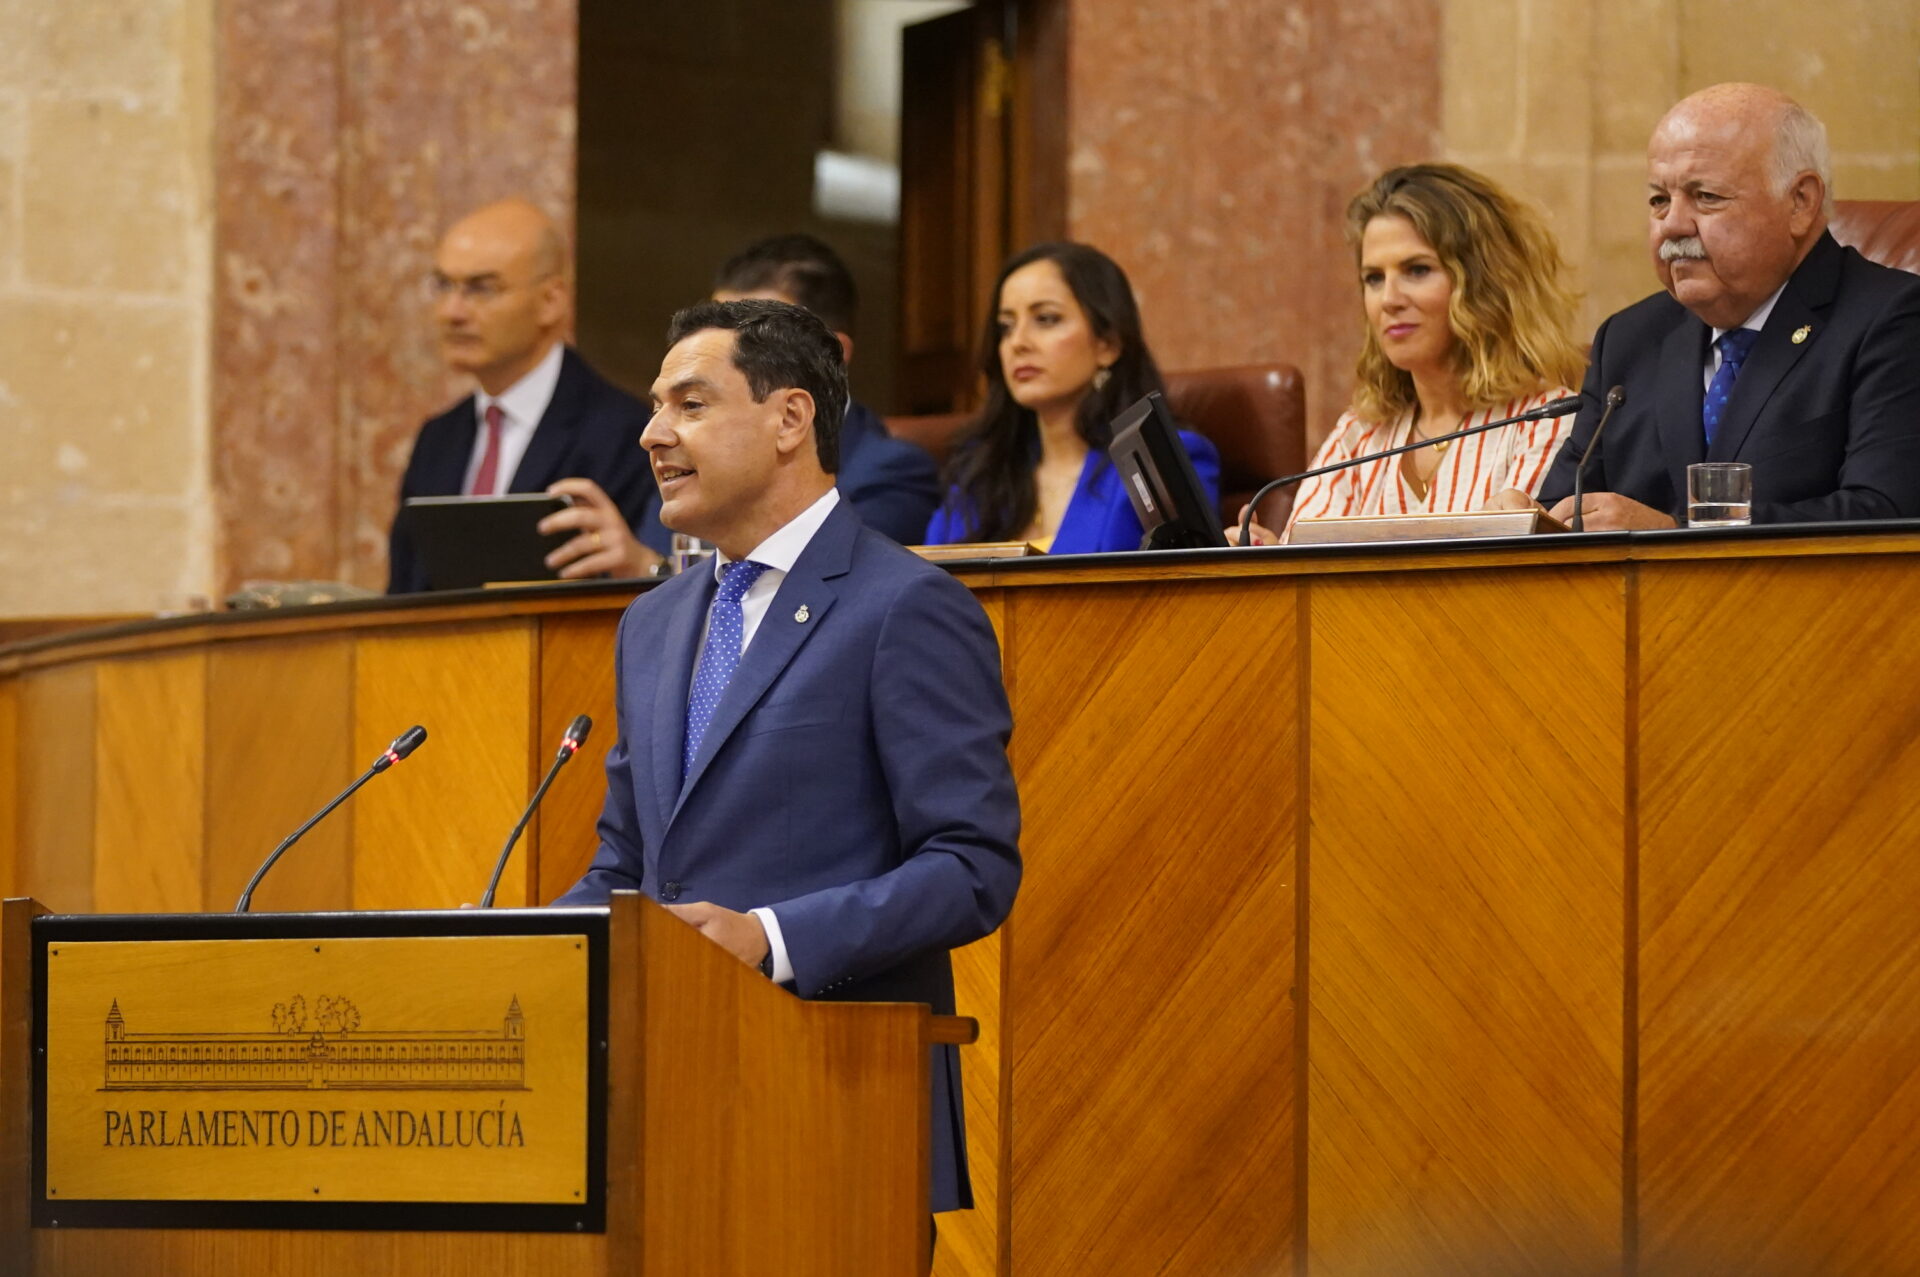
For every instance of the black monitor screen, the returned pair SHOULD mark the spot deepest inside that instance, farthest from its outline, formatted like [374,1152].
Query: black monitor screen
[1166,493]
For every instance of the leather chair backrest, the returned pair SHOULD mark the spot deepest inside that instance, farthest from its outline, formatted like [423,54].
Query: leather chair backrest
[1254,414]
[1884,231]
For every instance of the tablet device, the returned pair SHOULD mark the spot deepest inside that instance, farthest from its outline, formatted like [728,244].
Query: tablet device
[1160,480]
[466,542]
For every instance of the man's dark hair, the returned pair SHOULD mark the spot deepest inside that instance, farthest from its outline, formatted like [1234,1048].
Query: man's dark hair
[800,266]
[779,347]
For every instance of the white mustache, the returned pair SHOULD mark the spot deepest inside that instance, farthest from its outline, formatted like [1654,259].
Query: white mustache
[1688,249]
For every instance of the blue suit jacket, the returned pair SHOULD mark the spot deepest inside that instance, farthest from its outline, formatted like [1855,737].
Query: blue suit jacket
[1830,423]
[854,779]
[1100,518]
[893,483]
[591,430]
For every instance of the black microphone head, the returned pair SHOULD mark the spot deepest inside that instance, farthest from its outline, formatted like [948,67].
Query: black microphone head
[577,730]
[408,741]
[1616,396]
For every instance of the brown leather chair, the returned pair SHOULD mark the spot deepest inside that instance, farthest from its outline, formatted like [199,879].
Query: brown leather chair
[1884,231]
[1255,415]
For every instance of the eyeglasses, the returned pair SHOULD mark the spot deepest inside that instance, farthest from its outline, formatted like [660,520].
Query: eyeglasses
[475,288]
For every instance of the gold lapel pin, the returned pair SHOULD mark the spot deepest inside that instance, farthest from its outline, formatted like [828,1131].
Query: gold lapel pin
[1801,333]
[801,614]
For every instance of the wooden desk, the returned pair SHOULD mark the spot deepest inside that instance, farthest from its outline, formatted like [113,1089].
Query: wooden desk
[1541,908]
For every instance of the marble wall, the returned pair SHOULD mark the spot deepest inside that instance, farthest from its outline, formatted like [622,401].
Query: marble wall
[351,132]
[1212,149]
[105,232]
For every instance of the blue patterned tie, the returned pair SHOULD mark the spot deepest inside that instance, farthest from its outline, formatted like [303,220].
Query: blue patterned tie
[726,626]
[1735,345]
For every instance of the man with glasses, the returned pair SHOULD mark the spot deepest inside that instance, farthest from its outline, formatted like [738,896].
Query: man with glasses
[502,303]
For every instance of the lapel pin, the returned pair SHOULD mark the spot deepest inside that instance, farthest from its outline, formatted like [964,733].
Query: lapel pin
[801,614]
[1801,333]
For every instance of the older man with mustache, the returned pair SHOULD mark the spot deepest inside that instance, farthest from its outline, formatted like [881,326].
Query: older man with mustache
[1772,344]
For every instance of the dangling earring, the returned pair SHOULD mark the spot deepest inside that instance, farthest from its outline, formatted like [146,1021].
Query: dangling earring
[1101,376]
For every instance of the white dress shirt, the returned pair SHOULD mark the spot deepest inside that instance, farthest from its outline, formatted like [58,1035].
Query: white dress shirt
[521,406]
[779,552]
[1756,321]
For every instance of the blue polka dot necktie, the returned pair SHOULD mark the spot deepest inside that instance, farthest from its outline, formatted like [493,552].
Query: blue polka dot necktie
[1735,344]
[726,627]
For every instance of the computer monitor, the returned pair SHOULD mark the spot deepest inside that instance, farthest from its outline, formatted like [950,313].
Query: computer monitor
[1160,481]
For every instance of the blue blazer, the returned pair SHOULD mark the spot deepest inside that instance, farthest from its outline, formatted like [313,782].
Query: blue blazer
[591,430]
[893,483]
[1830,422]
[854,779]
[1099,519]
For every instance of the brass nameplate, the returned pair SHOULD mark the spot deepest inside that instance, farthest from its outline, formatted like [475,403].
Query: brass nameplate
[447,1069]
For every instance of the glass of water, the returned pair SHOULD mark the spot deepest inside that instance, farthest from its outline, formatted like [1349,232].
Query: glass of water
[1719,494]
[688,552]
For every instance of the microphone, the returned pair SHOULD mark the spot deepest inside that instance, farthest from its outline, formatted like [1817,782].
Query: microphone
[1552,408]
[569,746]
[1615,397]
[407,742]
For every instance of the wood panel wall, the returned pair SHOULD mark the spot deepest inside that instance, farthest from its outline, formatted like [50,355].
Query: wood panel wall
[1779,1009]
[1487,911]
[1154,933]
[1464,1040]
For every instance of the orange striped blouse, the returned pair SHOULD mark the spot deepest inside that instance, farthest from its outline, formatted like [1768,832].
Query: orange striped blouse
[1472,470]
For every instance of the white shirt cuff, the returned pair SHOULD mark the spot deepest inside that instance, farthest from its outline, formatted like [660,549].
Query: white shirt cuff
[777,944]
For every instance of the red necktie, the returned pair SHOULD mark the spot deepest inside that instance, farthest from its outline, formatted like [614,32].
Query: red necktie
[489,472]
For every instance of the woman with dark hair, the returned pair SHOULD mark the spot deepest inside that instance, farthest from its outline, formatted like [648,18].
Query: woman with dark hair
[1063,355]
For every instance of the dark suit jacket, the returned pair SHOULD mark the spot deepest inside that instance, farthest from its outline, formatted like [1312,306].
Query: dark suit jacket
[1830,424]
[591,430]
[893,484]
[854,779]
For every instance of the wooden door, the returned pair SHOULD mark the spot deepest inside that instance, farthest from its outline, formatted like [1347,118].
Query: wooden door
[955,87]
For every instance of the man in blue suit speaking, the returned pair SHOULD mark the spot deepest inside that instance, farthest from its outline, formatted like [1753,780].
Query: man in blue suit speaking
[812,763]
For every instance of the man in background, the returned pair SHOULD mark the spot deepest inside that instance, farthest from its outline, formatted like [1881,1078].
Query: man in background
[892,484]
[502,305]
[1771,345]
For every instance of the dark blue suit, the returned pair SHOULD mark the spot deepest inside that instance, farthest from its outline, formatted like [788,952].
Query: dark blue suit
[854,779]
[893,484]
[1830,423]
[591,430]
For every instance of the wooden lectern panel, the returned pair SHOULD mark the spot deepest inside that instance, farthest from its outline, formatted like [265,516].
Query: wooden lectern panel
[1780,960]
[149,825]
[1151,957]
[1467,923]
[820,1085]
[427,834]
[55,857]
[279,728]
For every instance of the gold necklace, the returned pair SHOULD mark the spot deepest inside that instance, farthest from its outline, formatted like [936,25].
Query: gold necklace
[1413,428]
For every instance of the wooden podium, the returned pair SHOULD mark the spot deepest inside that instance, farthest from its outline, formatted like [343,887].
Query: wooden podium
[1542,905]
[522,1091]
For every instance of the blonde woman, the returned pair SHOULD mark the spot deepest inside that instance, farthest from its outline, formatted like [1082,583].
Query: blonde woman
[1467,322]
